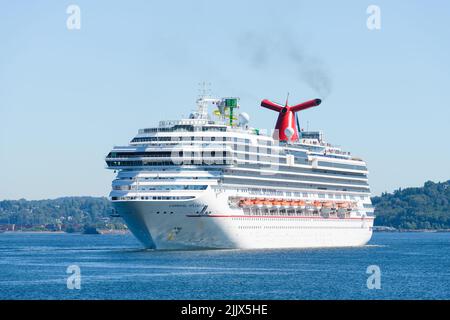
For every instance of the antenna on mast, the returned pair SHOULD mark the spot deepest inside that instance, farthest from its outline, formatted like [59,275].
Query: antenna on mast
[202,101]
[204,89]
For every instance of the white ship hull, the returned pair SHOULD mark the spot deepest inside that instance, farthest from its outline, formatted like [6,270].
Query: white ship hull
[208,181]
[179,226]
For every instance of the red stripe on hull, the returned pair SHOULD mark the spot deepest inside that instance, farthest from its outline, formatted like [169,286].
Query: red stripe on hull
[276,217]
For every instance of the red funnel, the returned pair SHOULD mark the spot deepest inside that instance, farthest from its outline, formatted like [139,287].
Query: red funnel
[286,117]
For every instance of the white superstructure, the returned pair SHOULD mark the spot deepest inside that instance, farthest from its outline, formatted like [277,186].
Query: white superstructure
[211,181]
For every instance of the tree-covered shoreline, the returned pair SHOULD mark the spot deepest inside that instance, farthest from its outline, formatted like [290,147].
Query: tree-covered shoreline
[409,209]
[69,214]
[421,208]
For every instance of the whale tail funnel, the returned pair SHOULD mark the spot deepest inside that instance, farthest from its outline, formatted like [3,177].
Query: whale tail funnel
[286,122]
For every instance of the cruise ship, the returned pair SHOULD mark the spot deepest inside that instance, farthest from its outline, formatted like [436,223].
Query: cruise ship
[213,181]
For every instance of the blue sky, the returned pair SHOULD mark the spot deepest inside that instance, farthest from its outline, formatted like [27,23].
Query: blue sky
[68,96]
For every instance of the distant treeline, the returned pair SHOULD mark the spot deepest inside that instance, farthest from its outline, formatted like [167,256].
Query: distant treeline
[427,207]
[66,214]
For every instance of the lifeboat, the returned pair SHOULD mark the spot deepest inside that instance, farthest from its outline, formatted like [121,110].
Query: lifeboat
[328,204]
[291,203]
[247,202]
[267,202]
[342,208]
[277,203]
[301,204]
[343,205]
[317,204]
[258,202]
[327,207]
[295,203]
[285,203]
[309,207]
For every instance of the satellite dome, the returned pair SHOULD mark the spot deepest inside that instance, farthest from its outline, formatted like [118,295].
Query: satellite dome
[244,118]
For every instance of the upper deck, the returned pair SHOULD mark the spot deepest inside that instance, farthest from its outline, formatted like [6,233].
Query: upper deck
[226,136]
[204,129]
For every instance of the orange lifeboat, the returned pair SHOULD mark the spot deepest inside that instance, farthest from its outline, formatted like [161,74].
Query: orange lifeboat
[342,208]
[343,205]
[309,207]
[327,208]
[290,203]
[295,203]
[328,204]
[277,202]
[258,202]
[284,203]
[247,202]
[267,202]
[317,204]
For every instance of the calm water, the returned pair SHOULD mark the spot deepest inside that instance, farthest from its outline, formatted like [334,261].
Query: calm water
[33,266]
